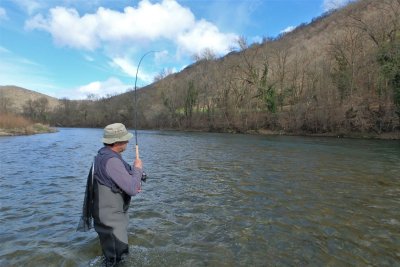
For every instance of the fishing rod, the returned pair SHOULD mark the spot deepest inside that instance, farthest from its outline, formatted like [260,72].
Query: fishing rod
[144,176]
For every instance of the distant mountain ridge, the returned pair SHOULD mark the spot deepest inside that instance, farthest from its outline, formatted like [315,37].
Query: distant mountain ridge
[16,97]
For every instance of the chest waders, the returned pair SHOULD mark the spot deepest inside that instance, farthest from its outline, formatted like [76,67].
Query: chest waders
[110,211]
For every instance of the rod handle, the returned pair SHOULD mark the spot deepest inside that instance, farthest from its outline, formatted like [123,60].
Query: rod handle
[137,151]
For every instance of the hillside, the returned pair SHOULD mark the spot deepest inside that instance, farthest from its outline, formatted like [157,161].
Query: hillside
[338,74]
[14,98]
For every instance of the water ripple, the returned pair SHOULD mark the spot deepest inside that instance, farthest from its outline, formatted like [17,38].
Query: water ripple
[211,200]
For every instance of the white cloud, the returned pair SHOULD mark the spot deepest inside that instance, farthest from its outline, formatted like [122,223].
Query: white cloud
[167,20]
[68,28]
[334,4]
[205,35]
[161,56]
[148,21]
[30,6]
[88,58]
[3,14]
[257,39]
[288,29]
[111,86]
[4,50]
[130,68]
[125,65]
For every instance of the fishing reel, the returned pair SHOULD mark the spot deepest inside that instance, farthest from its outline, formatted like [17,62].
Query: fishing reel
[144,177]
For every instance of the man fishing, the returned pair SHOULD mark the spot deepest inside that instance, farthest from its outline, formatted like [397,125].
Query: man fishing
[111,183]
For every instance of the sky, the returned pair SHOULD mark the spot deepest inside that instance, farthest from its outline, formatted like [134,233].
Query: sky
[76,48]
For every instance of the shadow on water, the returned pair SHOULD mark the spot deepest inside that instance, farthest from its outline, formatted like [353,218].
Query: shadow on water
[211,200]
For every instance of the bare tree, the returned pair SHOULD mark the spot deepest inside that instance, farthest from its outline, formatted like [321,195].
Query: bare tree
[383,26]
[37,109]
[206,54]
[242,43]
[345,49]
[6,104]
[163,73]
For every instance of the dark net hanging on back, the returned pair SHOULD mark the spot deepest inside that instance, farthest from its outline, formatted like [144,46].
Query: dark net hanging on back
[86,221]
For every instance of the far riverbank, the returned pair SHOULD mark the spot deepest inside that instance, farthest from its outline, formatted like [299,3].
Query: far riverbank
[12,124]
[356,135]
[351,135]
[36,128]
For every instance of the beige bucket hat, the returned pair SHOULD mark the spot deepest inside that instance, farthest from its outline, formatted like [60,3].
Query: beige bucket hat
[116,132]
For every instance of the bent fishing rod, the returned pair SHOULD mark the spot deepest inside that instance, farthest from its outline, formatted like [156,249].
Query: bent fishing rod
[144,177]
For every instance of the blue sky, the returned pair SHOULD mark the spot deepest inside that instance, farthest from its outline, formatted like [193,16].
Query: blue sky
[72,48]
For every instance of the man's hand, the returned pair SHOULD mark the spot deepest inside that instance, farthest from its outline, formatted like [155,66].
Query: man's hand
[138,164]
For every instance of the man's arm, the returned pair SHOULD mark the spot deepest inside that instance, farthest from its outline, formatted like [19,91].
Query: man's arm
[131,184]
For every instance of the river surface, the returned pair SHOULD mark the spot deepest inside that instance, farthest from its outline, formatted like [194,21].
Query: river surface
[210,200]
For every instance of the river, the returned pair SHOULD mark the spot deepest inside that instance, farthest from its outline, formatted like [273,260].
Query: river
[210,200]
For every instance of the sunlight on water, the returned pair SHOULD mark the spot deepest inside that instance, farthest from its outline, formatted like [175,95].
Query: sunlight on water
[210,200]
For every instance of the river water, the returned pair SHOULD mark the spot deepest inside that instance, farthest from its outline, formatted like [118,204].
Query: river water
[210,200]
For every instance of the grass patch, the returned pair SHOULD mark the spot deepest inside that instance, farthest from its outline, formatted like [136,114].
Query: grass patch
[11,124]
[10,121]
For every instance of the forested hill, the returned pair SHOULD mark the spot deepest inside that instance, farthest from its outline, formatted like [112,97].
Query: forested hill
[339,74]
